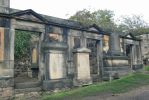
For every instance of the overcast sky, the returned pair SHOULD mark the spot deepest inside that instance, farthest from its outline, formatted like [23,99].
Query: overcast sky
[66,8]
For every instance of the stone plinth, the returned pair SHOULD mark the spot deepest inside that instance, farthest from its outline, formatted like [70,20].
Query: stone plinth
[56,75]
[116,61]
[82,67]
[55,59]
[115,66]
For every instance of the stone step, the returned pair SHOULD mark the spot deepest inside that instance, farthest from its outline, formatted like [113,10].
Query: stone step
[116,68]
[105,78]
[118,71]
[27,85]
[27,90]
[96,78]
[115,72]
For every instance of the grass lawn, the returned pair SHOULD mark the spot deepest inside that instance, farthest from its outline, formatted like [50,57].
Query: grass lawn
[146,68]
[116,86]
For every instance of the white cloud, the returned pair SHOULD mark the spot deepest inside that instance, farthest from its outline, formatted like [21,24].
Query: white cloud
[60,8]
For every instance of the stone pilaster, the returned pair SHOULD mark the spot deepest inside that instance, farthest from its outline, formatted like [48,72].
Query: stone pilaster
[7,66]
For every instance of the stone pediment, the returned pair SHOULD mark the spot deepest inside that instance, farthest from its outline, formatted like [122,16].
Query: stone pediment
[131,37]
[96,28]
[93,29]
[29,15]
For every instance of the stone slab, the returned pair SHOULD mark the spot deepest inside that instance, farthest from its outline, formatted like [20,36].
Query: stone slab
[57,68]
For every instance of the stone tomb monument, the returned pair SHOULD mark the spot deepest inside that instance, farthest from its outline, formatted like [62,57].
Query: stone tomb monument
[61,54]
[115,63]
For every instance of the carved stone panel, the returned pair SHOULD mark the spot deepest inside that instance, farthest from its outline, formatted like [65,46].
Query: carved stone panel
[54,37]
[34,56]
[105,43]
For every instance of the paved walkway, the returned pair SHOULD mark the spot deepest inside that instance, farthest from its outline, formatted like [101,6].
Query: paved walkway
[137,94]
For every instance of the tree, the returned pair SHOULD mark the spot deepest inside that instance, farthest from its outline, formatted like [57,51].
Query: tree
[134,24]
[102,18]
[84,16]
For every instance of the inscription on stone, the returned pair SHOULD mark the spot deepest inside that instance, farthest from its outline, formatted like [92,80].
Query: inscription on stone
[56,66]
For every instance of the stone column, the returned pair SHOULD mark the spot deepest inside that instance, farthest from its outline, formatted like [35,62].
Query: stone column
[12,37]
[42,68]
[7,60]
[7,65]
[82,67]
[114,44]
[100,58]
[140,49]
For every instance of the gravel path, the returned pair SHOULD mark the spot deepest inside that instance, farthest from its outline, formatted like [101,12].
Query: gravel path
[137,94]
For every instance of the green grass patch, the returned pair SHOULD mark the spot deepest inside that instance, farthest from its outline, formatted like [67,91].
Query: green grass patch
[116,86]
[146,68]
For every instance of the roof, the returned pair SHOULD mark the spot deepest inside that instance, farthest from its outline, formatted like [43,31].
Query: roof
[132,37]
[48,19]
[53,20]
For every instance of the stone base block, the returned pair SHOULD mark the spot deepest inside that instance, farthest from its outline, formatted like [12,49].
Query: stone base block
[81,82]
[137,67]
[6,92]
[57,84]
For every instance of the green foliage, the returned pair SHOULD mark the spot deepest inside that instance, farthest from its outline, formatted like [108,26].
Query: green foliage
[134,24]
[22,44]
[83,16]
[124,84]
[105,19]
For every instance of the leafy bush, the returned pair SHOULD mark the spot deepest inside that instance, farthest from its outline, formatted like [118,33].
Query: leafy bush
[22,44]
